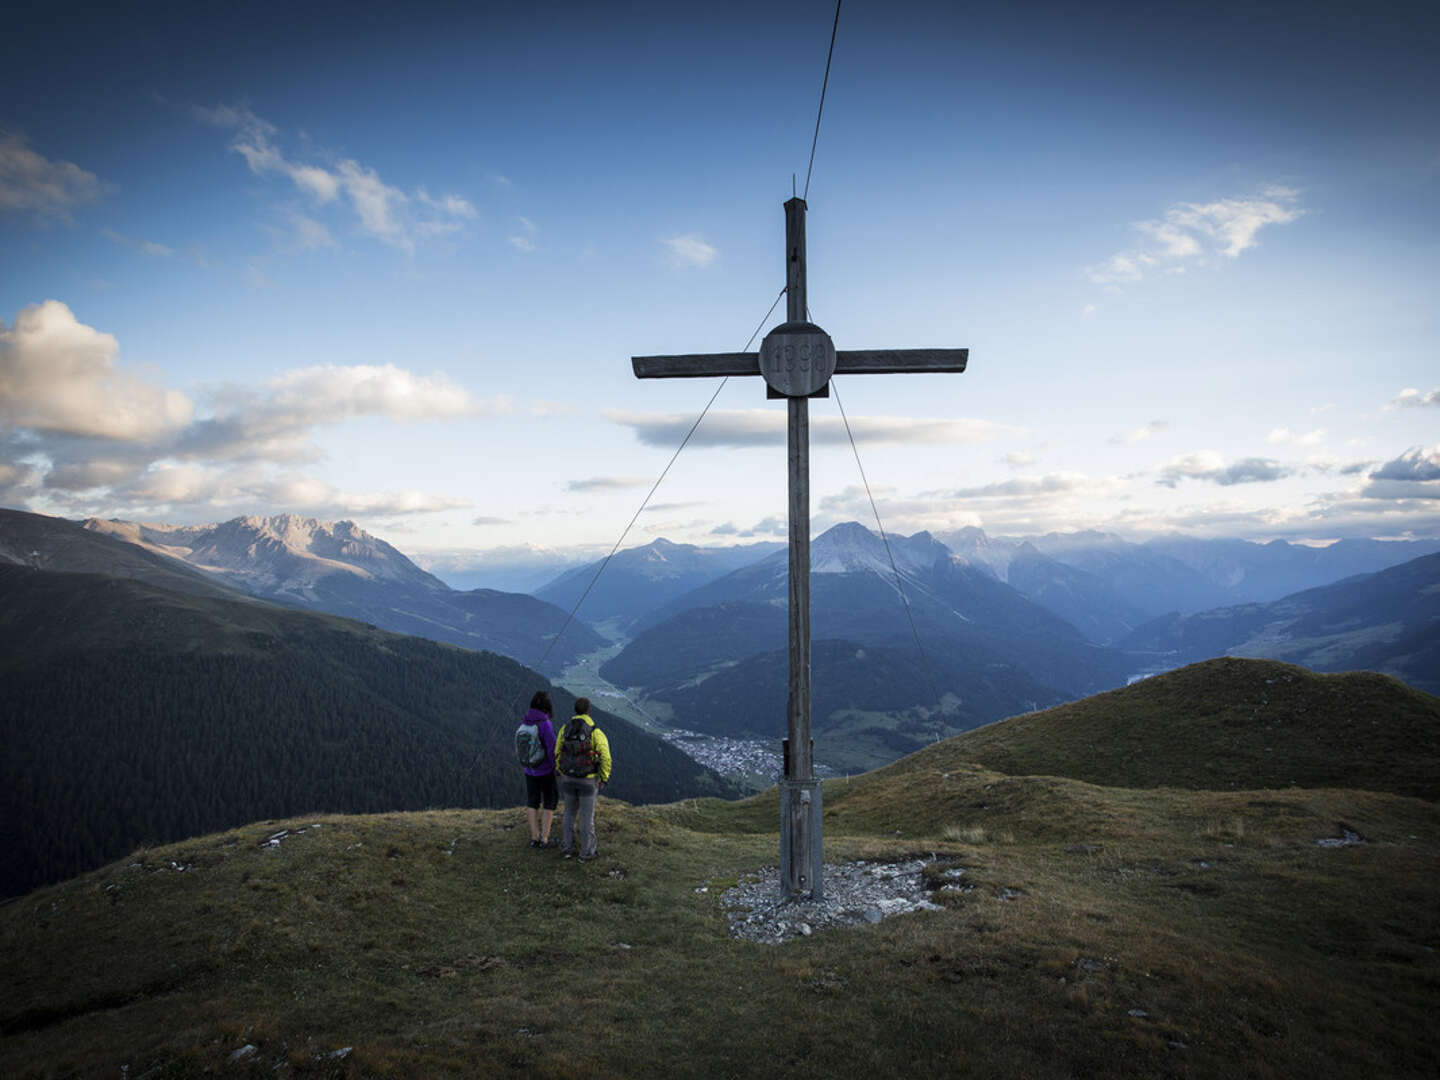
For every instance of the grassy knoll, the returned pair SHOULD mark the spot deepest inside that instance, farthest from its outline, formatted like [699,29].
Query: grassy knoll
[1109,932]
[1226,724]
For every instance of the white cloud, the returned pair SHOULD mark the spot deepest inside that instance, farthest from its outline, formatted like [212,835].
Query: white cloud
[1193,231]
[1142,433]
[383,211]
[273,423]
[167,487]
[1410,398]
[145,247]
[1419,464]
[1029,486]
[58,375]
[770,527]
[609,483]
[766,427]
[453,205]
[1281,436]
[376,202]
[524,240]
[31,183]
[1019,458]
[309,233]
[1208,465]
[72,423]
[689,250]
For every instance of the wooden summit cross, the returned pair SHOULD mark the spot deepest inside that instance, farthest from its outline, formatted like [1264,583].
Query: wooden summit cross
[797,359]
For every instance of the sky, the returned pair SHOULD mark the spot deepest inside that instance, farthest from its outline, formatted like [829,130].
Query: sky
[389,263]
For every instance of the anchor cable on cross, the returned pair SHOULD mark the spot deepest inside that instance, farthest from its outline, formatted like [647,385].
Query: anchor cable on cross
[797,360]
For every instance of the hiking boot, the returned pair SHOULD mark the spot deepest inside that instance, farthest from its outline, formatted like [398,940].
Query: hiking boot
[536,843]
[551,844]
[588,858]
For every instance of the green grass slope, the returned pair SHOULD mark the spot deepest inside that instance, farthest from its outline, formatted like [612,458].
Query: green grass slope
[1224,724]
[1103,933]
[132,714]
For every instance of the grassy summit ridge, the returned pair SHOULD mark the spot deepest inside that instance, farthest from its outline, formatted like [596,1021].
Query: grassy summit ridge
[1107,931]
[1224,724]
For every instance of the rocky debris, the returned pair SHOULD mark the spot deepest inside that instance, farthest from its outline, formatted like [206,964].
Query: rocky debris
[274,839]
[245,1052]
[855,894]
[1348,838]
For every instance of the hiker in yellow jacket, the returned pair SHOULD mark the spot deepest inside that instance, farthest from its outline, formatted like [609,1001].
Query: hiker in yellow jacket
[582,757]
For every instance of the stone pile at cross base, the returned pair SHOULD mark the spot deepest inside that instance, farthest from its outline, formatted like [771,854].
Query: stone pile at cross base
[856,894]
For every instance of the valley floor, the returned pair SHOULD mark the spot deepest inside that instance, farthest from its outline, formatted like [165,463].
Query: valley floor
[754,764]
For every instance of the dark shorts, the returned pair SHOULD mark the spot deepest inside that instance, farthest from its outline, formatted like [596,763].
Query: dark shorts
[541,788]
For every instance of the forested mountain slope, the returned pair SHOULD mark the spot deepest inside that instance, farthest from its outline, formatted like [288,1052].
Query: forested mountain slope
[132,714]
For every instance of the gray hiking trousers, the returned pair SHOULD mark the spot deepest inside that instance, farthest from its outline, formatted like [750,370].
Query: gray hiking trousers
[579,795]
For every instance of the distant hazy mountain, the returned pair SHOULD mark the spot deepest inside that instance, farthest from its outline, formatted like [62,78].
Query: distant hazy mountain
[986,644]
[1086,600]
[339,568]
[1387,622]
[522,568]
[133,714]
[1261,572]
[638,580]
[1168,574]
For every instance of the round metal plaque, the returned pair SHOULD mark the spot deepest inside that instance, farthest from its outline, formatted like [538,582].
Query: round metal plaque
[797,359]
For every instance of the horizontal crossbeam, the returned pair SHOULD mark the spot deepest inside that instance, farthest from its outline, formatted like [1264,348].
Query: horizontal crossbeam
[847,362]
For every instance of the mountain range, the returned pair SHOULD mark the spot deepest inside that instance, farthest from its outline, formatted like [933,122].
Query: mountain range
[338,568]
[1123,584]
[951,648]
[998,629]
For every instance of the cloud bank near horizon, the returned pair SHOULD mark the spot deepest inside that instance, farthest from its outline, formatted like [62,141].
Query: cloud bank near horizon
[78,430]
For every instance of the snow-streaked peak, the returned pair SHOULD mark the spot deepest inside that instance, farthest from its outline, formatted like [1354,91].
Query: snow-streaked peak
[851,548]
[284,552]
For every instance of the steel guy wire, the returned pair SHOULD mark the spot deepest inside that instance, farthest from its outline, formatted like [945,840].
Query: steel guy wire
[821,110]
[683,442]
[899,587]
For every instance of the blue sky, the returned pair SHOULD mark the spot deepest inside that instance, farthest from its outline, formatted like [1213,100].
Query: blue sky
[389,264]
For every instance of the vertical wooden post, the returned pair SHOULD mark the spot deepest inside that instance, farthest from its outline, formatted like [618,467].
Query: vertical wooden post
[798,855]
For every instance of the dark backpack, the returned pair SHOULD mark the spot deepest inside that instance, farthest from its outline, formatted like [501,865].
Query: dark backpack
[578,756]
[529,747]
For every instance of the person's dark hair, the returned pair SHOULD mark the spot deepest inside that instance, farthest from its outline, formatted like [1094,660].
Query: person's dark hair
[582,706]
[541,701]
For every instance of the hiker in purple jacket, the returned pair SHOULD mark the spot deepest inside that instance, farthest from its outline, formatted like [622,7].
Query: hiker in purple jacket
[540,787]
